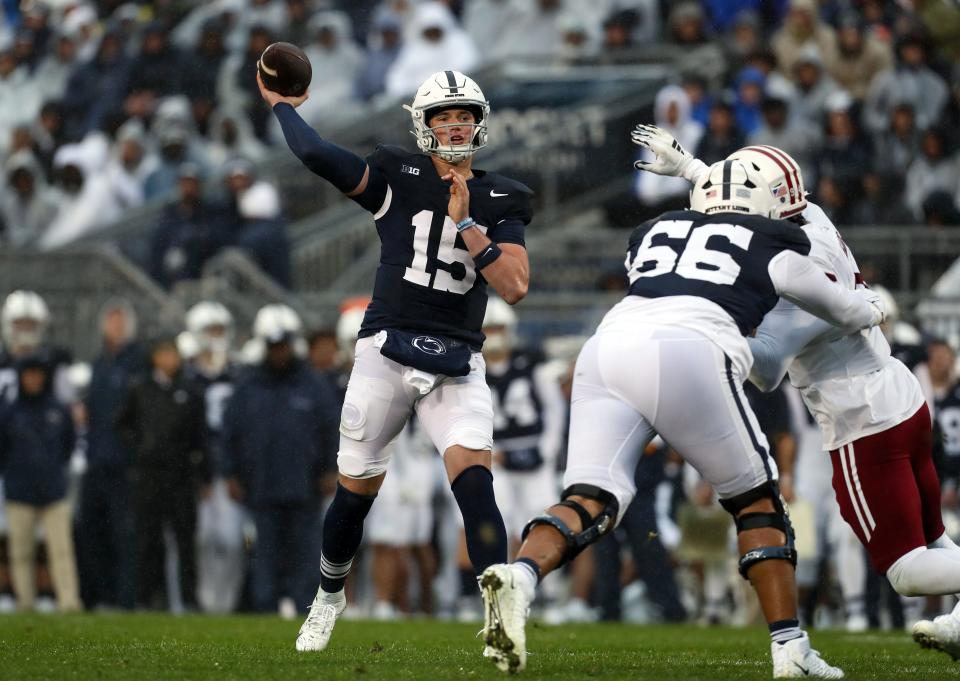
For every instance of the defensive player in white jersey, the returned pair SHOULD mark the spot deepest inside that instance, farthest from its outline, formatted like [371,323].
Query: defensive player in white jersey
[675,347]
[868,405]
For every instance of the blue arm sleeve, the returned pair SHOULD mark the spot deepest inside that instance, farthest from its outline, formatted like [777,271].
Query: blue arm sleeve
[509,232]
[341,168]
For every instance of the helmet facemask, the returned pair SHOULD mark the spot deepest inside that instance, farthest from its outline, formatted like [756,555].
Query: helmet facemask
[429,143]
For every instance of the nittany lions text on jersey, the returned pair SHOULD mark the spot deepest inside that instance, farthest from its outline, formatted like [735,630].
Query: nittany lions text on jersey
[722,258]
[426,280]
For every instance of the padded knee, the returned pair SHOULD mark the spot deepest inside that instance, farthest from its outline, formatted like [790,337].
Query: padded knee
[592,528]
[901,576]
[778,520]
[359,466]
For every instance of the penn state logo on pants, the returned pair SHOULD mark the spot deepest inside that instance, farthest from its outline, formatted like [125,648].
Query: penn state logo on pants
[430,345]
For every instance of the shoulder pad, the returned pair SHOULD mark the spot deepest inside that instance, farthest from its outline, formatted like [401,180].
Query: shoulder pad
[388,152]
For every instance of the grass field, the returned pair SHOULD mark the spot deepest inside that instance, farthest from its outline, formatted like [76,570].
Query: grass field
[148,647]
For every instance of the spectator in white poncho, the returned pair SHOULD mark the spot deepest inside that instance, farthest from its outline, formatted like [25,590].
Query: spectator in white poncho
[672,113]
[86,200]
[336,60]
[434,42]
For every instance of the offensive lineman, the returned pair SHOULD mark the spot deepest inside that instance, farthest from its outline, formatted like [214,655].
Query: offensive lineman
[700,281]
[869,406]
[446,230]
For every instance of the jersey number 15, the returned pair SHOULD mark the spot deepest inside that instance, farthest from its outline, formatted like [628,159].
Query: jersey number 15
[452,269]
[694,260]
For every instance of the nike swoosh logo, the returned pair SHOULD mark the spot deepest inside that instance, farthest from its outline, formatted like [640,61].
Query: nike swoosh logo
[495,194]
[806,672]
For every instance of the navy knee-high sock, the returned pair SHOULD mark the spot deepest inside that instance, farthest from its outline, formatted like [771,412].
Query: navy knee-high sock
[342,532]
[482,522]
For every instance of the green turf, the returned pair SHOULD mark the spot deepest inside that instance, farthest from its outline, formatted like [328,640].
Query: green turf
[196,648]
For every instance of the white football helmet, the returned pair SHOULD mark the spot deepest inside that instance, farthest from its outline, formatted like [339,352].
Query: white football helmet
[781,172]
[24,319]
[211,324]
[733,187]
[277,322]
[499,315]
[443,90]
[348,328]
[188,346]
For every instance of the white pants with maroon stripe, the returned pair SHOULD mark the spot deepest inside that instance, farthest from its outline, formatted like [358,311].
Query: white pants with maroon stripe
[669,381]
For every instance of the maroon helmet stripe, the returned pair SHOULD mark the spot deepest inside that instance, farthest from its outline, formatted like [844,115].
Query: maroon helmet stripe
[789,162]
[786,172]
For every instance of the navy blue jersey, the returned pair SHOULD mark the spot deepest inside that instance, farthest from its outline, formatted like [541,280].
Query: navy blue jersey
[946,411]
[518,421]
[517,409]
[427,280]
[10,380]
[217,391]
[723,258]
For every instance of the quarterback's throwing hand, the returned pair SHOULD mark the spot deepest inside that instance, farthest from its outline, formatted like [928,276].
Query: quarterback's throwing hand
[670,158]
[459,206]
[273,98]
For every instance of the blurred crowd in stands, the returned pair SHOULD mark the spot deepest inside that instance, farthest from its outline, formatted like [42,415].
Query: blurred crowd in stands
[107,105]
[189,473]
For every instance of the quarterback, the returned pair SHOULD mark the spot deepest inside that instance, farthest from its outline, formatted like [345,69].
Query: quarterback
[700,281]
[868,405]
[446,230]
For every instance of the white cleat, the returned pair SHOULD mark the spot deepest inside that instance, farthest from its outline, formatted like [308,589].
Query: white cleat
[316,630]
[505,610]
[943,633]
[796,660]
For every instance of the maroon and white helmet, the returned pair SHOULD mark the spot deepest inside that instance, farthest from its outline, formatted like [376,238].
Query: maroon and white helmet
[781,172]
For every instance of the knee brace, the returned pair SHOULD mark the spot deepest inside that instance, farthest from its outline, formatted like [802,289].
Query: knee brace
[754,521]
[592,528]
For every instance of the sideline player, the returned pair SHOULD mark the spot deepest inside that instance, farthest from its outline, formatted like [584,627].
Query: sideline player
[670,359]
[868,405]
[446,230]
[529,416]
[220,519]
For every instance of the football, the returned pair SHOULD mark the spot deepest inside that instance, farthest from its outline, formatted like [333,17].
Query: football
[285,69]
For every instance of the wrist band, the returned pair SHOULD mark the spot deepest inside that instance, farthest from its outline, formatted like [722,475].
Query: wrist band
[466,223]
[490,253]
